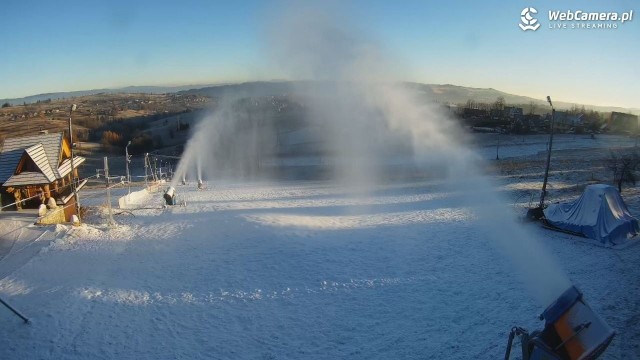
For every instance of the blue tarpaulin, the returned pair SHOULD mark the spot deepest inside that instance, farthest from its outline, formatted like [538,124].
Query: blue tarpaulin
[599,213]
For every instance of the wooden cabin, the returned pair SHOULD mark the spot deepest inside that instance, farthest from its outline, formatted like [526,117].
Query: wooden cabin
[34,169]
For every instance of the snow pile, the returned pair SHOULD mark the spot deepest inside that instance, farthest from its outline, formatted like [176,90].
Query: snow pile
[93,238]
[14,288]
[133,199]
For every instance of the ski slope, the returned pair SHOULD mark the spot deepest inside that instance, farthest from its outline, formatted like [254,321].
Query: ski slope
[295,270]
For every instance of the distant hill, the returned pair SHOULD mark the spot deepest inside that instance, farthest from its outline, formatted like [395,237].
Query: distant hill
[448,94]
[454,94]
[126,90]
[254,88]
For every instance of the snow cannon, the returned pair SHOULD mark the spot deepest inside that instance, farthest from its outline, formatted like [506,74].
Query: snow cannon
[200,184]
[170,196]
[534,214]
[572,331]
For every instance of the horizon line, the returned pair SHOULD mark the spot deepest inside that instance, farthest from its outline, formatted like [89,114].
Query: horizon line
[197,85]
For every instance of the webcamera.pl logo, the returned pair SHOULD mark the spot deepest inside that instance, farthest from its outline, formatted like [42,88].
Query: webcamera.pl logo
[575,19]
[528,21]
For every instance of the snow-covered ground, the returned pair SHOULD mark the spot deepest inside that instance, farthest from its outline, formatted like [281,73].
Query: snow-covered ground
[296,270]
[508,146]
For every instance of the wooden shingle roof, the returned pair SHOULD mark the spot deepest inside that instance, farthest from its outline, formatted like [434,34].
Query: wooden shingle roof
[65,167]
[26,178]
[39,157]
[14,148]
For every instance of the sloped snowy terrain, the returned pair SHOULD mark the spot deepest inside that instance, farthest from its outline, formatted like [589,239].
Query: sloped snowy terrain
[296,270]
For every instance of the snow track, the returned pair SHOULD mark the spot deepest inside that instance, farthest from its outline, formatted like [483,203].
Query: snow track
[294,271]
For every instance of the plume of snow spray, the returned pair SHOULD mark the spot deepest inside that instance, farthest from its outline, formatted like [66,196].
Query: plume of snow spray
[227,144]
[363,117]
[364,112]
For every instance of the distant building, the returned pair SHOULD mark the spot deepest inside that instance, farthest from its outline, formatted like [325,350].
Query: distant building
[37,168]
[471,113]
[496,114]
[512,112]
[563,121]
[621,122]
[534,121]
[560,118]
[575,120]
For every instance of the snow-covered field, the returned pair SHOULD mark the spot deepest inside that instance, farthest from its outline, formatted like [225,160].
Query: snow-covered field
[296,270]
[508,146]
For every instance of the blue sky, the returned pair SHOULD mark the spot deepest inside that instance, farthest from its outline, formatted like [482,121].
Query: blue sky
[50,46]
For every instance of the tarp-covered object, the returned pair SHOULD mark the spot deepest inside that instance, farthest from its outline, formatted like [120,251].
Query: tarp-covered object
[599,213]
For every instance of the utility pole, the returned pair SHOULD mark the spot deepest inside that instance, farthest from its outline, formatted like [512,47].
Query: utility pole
[127,160]
[546,170]
[73,183]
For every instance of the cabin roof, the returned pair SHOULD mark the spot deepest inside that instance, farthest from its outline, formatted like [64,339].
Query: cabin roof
[45,151]
[39,157]
[65,167]
[14,148]
[26,178]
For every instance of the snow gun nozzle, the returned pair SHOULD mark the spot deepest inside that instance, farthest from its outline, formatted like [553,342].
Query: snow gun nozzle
[170,196]
[572,330]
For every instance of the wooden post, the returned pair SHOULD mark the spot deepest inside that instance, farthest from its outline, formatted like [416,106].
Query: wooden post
[47,191]
[74,171]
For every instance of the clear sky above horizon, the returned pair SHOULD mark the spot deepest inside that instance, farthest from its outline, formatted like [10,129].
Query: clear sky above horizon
[50,46]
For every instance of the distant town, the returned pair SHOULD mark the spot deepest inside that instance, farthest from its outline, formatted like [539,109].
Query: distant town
[500,117]
[162,122]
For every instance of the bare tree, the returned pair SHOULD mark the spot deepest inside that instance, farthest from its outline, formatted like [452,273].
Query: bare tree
[470,104]
[624,167]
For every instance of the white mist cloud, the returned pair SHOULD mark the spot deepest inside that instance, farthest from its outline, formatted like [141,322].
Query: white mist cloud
[362,116]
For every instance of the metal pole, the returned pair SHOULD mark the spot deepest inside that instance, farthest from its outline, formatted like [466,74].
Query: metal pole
[507,353]
[155,167]
[106,176]
[498,147]
[73,184]
[546,170]
[14,311]
[146,181]
[153,172]
[126,158]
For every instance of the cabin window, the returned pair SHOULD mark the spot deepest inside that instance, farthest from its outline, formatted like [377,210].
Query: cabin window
[27,164]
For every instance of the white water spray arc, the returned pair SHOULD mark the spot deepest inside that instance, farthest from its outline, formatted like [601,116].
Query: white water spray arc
[363,112]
